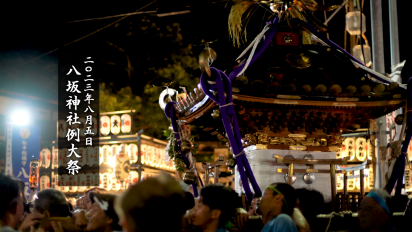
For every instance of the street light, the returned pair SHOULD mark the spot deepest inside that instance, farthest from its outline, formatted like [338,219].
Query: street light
[20,117]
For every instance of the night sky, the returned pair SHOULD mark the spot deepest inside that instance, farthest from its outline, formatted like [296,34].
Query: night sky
[31,29]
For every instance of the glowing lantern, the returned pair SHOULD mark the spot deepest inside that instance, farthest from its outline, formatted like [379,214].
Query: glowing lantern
[115,183]
[351,182]
[150,156]
[104,158]
[339,181]
[34,174]
[126,123]
[132,152]
[62,183]
[72,183]
[144,158]
[133,177]
[44,182]
[122,167]
[105,125]
[115,124]
[45,156]
[114,150]
[81,182]
[55,158]
[54,181]
[360,149]
[349,148]
[106,181]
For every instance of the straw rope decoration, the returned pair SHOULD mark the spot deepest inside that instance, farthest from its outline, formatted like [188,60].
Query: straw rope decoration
[235,21]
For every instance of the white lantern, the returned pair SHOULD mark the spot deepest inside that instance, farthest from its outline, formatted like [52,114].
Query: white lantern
[370,178]
[106,181]
[94,126]
[115,183]
[132,152]
[353,24]
[72,183]
[62,183]
[133,177]
[150,155]
[339,181]
[82,159]
[144,157]
[55,158]
[114,150]
[97,180]
[105,155]
[44,182]
[349,148]
[357,53]
[54,181]
[122,167]
[96,155]
[61,128]
[83,126]
[44,159]
[81,182]
[115,124]
[339,154]
[126,123]
[365,179]
[90,181]
[63,157]
[104,125]
[360,149]
[351,182]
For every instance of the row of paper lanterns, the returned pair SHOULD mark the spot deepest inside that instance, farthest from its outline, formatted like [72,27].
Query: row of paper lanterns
[115,124]
[356,148]
[151,156]
[354,183]
[84,182]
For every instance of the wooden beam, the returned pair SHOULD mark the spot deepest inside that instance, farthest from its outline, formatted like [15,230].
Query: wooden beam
[333,185]
[302,171]
[317,161]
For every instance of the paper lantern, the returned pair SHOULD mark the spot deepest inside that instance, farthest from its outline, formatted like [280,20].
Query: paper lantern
[114,150]
[63,157]
[143,151]
[122,167]
[115,124]
[351,182]
[126,123]
[61,128]
[34,174]
[55,158]
[349,148]
[370,182]
[115,183]
[54,181]
[408,179]
[104,125]
[339,181]
[150,156]
[132,152]
[105,155]
[44,182]
[98,181]
[90,181]
[62,180]
[83,126]
[94,155]
[45,156]
[134,177]
[94,126]
[353,24]
[72,182]
[370,149]
[81,182]
[81,151]
[361,154]
[106,181]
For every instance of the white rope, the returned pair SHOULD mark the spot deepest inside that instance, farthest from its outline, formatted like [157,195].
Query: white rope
[228,104]
[255,43]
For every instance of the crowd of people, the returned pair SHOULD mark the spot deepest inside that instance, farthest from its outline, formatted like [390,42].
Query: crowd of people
[161,204]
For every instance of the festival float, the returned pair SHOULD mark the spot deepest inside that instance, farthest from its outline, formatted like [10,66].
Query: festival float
[295,108]
[113,165]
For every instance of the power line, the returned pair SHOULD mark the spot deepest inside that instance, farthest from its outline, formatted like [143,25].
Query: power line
[77,40]
[109,17]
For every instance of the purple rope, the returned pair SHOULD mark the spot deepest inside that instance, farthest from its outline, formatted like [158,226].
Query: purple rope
[170,112]
[399,166]
[260,49]
[223,85]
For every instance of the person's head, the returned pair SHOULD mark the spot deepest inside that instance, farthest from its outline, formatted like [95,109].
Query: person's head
[154,200]
[11,207]
[52,203]
[22,186]
[87,205]
[310,203]
[253,207]
[278,198]
[216,206]
[373,211]
[102,216]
